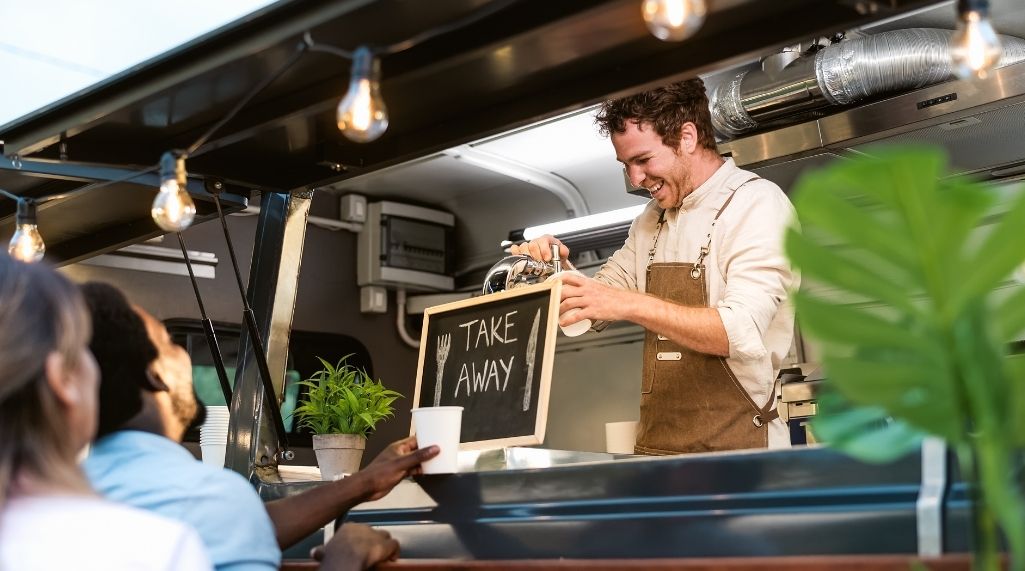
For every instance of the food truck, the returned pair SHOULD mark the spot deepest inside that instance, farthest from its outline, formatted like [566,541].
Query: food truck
[344,246]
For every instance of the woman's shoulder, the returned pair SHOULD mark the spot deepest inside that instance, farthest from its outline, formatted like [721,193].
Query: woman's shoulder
[96,534]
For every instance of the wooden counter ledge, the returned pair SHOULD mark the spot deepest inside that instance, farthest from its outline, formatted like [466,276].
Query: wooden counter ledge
[954,562]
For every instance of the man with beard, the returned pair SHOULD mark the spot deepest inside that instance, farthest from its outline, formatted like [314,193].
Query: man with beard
[146,404]
[702,270]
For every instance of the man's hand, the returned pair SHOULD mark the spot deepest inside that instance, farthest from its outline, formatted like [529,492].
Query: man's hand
[541,249]
[399,460]
[593,300]
[356,547]
[299,515]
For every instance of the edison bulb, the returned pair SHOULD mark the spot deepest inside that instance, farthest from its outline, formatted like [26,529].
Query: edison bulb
[173,208]
[27,244]
[975,47]
[673,20]
[362,115]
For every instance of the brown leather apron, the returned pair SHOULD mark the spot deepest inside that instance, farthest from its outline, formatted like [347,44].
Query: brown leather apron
[691,401]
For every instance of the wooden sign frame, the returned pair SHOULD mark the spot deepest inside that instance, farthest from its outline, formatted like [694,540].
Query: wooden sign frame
[547,358]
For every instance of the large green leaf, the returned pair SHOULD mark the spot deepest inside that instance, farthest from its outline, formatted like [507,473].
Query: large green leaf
[826,266]
[1009,316]
[860,218]
[904,389]
[1016,398]
[857,327]
[984,376]
[866,433]
[996,257]
[852,223]
[963,205]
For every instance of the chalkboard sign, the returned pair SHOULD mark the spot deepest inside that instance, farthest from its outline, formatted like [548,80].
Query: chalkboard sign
[492,355]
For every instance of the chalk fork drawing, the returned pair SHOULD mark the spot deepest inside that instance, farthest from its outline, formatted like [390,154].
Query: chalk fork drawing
[531,349]
[444,344]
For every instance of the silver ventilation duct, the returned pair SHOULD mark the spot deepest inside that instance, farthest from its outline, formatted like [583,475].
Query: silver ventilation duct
[840,74]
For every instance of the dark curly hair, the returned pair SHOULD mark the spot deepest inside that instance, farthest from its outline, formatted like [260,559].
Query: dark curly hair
[666,109]
[123,351]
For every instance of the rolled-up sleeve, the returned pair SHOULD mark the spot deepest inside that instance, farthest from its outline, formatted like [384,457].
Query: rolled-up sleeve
[756,271]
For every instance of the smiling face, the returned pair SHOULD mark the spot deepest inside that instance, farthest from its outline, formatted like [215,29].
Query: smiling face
[649,163]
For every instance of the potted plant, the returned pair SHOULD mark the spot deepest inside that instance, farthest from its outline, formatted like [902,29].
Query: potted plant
[343,405]
[904,268]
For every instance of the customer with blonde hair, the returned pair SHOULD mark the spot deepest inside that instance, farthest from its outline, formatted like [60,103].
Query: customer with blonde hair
[49,516]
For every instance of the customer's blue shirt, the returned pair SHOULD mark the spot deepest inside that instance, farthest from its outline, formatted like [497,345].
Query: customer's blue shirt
[157,474]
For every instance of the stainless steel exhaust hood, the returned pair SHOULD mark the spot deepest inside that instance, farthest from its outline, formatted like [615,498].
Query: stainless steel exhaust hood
[846,72]
[978,122]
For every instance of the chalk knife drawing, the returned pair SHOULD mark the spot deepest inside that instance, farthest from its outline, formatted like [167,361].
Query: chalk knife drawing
[531,349]
[444,344]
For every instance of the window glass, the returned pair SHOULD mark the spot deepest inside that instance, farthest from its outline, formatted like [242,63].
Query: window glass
[304,349]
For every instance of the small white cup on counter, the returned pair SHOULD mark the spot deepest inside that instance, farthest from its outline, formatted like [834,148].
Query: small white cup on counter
[580,327]
[620,437]
[439,426]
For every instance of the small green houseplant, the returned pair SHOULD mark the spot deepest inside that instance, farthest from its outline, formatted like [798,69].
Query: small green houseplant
[343,405]
[905,269]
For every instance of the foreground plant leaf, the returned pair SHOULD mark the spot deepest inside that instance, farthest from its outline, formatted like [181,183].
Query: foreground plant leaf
[924,346]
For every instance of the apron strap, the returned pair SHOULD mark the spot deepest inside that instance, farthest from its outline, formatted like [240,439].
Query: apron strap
[696,272]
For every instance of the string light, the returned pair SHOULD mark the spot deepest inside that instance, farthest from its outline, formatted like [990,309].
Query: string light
[173,208]
[26,244]
[673,20]
[362,116]
[975,47]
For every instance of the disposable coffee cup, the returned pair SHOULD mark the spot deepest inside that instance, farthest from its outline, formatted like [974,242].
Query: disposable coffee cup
[580,327]
[439,426]
[620,437]
[213,454]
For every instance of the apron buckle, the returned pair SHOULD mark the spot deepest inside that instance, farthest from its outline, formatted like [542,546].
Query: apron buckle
[696,272]
[757,420]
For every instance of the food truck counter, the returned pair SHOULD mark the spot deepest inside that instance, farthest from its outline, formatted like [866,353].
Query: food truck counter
[798,502]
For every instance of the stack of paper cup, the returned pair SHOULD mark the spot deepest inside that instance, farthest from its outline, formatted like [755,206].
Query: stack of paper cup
[213,435]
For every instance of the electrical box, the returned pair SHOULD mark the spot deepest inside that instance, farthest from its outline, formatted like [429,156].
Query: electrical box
[373,299]
[353,208]
[406,246]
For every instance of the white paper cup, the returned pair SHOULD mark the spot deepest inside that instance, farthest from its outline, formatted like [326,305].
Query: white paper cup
[213,454]
[439,426]
[620,437]
[580,327]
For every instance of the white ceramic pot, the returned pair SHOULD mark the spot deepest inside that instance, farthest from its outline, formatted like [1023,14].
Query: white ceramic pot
[338,454]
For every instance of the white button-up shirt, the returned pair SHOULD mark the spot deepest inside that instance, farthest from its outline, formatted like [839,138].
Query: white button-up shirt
[747,272]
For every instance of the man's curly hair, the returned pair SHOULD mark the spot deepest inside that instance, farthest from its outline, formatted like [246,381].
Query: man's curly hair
[666,109]
[123,352]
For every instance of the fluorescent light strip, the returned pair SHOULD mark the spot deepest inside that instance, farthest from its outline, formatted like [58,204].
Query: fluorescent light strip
[584,222]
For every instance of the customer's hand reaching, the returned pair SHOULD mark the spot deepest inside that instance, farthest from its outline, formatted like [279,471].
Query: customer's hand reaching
[399,460]
[299,515]
[356,547]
